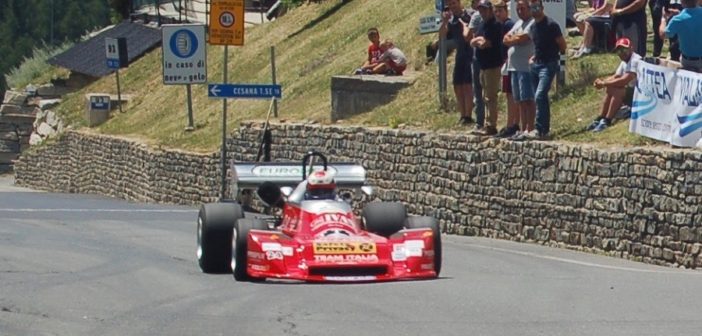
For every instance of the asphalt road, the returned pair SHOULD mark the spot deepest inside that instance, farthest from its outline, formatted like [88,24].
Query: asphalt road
[88,265]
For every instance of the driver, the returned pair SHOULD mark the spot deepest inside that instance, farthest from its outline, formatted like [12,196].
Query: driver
[320,186]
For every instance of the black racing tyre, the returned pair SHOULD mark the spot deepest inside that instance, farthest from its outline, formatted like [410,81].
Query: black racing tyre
[420,222]
[215,224]
[384,218]
[239,245]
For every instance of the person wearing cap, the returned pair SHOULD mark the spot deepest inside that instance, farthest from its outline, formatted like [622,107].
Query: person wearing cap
[455,21]
[548,45]
[488,48]
[687,27]
[374,53]
[512,124]
[619,87]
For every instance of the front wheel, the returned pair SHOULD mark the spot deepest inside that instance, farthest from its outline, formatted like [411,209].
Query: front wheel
[384,218]
[215,223]
[239,244]
[432,223]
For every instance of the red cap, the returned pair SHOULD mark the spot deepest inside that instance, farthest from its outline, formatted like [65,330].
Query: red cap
[623,43]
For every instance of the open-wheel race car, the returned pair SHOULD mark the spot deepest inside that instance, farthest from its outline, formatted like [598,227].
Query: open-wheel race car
[317,237]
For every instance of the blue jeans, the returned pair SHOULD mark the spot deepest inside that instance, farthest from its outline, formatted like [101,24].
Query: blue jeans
[478,94]
[542,75]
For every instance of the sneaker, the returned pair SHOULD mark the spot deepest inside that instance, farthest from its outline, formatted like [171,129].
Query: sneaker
[358,71]
[593,124]
[604,123]
[489,131]
[507,132]
[477,130]
[624,112]
[526,136]
[465,121]
[543,136]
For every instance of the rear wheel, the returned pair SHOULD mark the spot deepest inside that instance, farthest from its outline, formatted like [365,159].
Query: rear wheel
[215,223]
[384,218]
[421,222]
[239,245]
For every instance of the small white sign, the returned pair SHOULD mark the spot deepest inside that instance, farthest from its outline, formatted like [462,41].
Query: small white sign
[429,24]
[112,52]
[184,54]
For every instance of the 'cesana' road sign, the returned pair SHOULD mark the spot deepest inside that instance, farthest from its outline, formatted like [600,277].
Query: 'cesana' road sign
[250,91]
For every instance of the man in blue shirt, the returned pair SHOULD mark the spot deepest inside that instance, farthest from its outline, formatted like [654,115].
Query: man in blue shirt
[687,26]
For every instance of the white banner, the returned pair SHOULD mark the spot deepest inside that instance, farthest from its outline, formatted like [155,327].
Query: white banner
[688,111]
[652,109]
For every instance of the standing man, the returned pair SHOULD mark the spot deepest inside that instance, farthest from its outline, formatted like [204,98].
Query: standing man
[488,48]
[521,48]
[475,21]
[629,20]
[687,26]
[512,124]
[455,21]
[548,45]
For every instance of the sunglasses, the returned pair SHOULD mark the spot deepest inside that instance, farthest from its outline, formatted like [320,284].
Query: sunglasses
[535,7]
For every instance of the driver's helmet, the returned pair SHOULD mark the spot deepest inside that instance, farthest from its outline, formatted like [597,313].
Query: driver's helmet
[320,186]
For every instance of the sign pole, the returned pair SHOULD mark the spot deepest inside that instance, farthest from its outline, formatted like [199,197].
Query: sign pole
[224,129]
[191,125]
[275,102]
[442,74]
[119,92]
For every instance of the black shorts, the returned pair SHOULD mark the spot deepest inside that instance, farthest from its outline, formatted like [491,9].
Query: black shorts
[462,73]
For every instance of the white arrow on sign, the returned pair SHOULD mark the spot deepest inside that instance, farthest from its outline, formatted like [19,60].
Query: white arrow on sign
[215,91]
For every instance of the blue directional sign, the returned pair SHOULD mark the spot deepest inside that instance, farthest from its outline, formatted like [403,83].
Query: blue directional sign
[250,91]
[113,63]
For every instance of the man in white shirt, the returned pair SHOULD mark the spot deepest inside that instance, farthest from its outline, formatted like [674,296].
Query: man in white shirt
[617,86]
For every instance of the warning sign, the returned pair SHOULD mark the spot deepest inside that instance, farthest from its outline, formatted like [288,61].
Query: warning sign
[227,22]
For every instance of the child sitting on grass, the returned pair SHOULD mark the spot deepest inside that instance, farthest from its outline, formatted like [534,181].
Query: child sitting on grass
[392,62]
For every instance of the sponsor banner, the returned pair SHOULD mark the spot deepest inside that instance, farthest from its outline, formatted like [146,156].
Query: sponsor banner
[667,106]
[651,114]
[688,111]
[344,248]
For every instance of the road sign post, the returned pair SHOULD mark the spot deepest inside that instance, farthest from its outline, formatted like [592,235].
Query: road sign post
[184,59]
[226,27]
[116,57]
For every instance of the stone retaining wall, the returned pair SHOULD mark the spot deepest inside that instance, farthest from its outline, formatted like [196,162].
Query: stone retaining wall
[639,204]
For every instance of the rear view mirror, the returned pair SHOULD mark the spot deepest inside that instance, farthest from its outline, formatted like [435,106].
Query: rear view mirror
[286,191]
[368,190]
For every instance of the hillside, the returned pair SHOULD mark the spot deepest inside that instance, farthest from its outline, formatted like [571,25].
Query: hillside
[313,43]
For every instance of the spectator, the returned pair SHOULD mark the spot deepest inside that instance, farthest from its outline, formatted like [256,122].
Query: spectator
[671,8]
[488,48]
[687,27]
[548,44]
[512,125]
[374,52]
[656,8]
[588,21]
[618,87]
[392,62]
[475,21]
[432,48]
[629,19]
[521,48]
[456,21]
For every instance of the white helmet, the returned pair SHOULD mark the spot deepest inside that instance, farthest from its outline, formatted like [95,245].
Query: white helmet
[321,185]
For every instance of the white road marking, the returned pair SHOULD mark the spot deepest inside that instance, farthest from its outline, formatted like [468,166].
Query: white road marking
[589,264]
[102,210]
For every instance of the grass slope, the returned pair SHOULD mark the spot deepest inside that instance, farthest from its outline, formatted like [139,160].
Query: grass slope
[313,43]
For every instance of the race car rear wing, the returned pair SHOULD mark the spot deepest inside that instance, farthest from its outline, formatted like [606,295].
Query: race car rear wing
[249,175]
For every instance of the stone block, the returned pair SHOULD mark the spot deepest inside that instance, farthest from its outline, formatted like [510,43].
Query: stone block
[15,98]
[352,95]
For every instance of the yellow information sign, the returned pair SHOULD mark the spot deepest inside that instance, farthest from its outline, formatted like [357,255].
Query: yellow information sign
[227,22]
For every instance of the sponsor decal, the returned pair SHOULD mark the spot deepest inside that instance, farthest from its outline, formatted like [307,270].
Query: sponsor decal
[274,255]
[259,268]
[271,247]
[427,267]
[414,248]
[332,219]
[346,257]
[399,255]
[344,247]
[429,253]
[287,251]
[255,255]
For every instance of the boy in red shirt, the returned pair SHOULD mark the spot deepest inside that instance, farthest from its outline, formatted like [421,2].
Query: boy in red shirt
[374,53]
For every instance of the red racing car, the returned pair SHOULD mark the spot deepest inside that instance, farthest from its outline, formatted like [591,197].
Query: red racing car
[318,237]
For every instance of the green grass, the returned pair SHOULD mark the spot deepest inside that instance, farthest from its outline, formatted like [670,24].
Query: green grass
[313,43]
